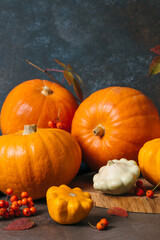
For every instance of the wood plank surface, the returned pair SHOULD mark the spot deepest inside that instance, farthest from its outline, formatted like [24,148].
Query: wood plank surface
[129,201]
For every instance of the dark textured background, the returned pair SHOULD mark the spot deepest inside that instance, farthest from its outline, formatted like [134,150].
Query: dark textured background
[106,41]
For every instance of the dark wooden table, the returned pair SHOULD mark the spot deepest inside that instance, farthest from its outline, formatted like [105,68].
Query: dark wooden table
[136,227]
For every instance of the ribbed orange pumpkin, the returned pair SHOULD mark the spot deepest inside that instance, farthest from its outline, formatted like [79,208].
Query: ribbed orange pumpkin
[149,161]
[36,102]
[114,123]
[35,162]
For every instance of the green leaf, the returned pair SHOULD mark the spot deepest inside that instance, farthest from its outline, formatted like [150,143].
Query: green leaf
[154,67]
[60,63]
[68,76]
[77,89]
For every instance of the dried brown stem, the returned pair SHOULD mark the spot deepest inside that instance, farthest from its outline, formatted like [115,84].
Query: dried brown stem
[42,70]
[45,71]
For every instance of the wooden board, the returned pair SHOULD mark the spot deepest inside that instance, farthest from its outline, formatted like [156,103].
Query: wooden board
[129,201]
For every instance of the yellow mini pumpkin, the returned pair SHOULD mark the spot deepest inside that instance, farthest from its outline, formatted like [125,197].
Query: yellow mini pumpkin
[68,206]
[149,161]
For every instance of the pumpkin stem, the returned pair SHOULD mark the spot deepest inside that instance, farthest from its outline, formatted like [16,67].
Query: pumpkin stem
[28,129]
[46,91]
[110,163]
[99,130]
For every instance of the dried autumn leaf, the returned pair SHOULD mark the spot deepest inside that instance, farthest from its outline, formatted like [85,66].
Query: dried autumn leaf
[156,49]
[60,63]
[77,89]
[68,76]
[69,67]
[117,211]
[154,67]
[78,77]
[20,224]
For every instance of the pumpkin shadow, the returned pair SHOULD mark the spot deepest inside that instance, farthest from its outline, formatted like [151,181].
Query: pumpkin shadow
[41,206]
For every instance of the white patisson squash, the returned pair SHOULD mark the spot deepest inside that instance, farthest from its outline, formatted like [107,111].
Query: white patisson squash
[117,177]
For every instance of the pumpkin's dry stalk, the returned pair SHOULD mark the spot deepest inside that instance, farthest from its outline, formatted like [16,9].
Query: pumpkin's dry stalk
[42,70]
[28,129]
[99,130]
[46,91]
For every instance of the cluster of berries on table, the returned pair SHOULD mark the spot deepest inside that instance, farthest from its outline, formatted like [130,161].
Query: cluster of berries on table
[140,190]
[12,208]
[101,225]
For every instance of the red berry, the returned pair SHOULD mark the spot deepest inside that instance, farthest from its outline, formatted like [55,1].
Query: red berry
[14,198]
[33,210]
[24,201]
[139,191]
[11,212]
[9,191]
[6,215]
[26,212]
[104,222]
[143,188]
[20,203]
[51,124]
[15,206]
[15,203]
[59,125]
[17,212]
[2,211]
[150,193]
[24,195]
[100,226]
[30,204]
[2,203]
[139,184]
[6,204]
[30,199]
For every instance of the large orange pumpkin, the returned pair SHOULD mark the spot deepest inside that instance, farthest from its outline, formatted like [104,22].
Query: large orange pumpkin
[36,102]
[38,160]
[149,161]
[114,123]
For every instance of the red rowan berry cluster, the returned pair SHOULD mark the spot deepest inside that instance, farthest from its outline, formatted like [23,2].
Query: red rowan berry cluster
[101,225]
[140,189]
[12,207]
[56,124]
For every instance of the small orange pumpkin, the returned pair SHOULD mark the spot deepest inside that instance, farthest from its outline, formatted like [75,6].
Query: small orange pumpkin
[37,102]
[149,161]
[114,123]
[33,160]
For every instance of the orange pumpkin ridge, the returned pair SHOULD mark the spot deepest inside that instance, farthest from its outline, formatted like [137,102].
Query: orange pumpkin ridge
[149,161]
[35,161]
